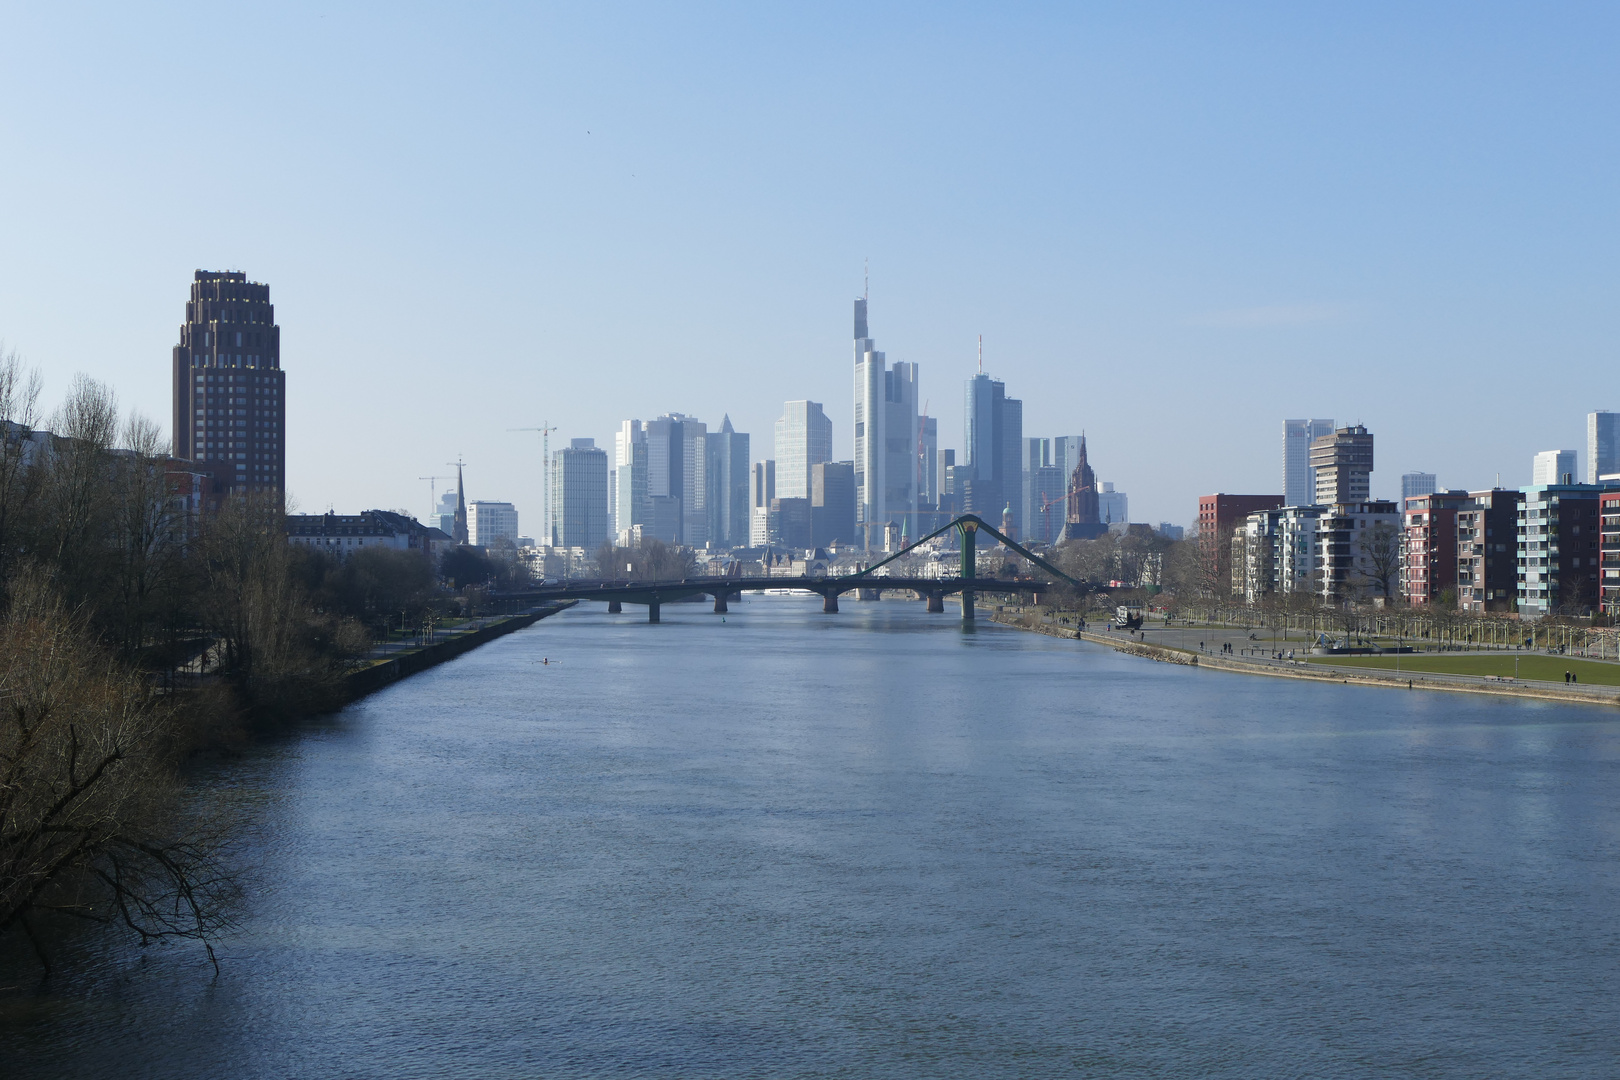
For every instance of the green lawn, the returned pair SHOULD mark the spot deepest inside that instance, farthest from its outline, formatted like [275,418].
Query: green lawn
[1536,666]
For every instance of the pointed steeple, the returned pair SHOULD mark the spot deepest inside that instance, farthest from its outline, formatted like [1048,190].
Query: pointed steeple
[725,426]
[460,526]
[1083,501]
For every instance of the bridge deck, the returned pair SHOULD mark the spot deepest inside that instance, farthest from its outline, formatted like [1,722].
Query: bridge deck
[641,592]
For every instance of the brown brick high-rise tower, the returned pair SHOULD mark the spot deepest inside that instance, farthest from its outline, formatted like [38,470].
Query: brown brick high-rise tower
[229,389]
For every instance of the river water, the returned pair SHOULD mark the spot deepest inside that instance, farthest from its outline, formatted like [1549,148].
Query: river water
[785,844]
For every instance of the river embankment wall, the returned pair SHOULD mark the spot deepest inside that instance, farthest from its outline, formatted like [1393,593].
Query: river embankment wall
[368,680]
[1584,695]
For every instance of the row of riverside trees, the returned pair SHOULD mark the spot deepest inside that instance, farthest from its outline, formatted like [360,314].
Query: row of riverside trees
[134,631]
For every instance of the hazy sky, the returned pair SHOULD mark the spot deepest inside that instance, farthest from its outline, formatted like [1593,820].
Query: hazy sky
[1174,224]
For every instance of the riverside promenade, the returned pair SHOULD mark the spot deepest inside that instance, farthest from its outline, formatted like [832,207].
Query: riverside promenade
[390,661]
[1256,652]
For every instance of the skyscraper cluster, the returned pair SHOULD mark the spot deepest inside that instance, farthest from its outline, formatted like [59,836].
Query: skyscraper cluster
[674,480]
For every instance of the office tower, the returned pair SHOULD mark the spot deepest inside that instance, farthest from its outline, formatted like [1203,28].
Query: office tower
[928,462]
[763,493]
[1046,487]
[1416,483]
[677,479]
[1012,457]
[489,524]
[1343,463]
[229,389]
[579,496]
[901,445]
[1066,452]
[444,514]
[1114,506]
[870,367]
[627,484]
[727,462]
[1032,454]
[1299,479]
[832,503]
[887,468]
[1602,445]
[1049,489]
[1553,467]
[790,523]
[803,439]
[995,430]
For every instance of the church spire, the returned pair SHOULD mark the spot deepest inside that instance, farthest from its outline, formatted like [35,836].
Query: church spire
[460,527]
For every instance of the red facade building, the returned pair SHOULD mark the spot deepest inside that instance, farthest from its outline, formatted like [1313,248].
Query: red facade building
[1429,545]
[1218,515]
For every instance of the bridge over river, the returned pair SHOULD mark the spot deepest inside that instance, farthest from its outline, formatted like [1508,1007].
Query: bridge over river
[867,582]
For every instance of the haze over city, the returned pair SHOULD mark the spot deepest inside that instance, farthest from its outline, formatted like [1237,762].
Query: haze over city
[1173,227]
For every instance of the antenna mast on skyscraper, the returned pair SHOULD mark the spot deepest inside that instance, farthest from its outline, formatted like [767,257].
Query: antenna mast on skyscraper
[981,354]
[866,279]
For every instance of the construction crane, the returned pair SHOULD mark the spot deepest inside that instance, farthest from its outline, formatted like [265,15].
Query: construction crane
[1049,503]
[433,492]
[545,429]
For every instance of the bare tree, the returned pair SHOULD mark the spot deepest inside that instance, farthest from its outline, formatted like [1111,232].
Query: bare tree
[84,785]
[1382,548]
[76,473]
[148,528]
[19,487]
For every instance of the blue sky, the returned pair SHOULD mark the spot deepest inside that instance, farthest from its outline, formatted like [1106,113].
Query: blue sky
[1174,224]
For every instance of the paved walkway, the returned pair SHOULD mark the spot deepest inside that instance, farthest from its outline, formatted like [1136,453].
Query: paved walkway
[385,649]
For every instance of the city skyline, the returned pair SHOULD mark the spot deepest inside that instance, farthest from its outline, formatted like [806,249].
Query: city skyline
[1181,229]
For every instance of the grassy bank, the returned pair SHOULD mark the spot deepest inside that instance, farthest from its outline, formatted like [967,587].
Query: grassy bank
[1537,667]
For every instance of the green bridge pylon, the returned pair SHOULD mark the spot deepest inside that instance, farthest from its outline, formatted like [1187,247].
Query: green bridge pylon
[968,525]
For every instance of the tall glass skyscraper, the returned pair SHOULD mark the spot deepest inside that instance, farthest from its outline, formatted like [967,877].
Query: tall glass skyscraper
[993,478]
[803,438]
[1299,481]
[579,496]
[888,439]
[728,485]
[1602,445]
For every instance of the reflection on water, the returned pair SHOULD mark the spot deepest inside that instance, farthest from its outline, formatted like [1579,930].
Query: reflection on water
[868,844]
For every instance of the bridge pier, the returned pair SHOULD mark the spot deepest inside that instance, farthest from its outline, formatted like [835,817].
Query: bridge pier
[969,531]
[720,603]
[936,601]
[615,607]
[652,611]
[829,603]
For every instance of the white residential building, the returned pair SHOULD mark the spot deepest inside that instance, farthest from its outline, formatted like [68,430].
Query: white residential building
[488,523]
